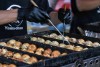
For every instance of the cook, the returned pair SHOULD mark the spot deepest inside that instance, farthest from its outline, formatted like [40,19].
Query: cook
[14,13]
[86,17]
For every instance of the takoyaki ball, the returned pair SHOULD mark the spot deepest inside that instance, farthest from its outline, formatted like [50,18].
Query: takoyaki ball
[73,40]
[9,54]
[45,35]
[88,43]
[3,51]
[12,65]
[41,40]
[63,54]
[48,51]
[71,47]
[32,47]
[54,43]
[47,42]
[3,44]
[30,51]
[4,65]
[96,44]
[0,50]
[12,42]
[40,60]
[38,53]
[0,65]
[55,53]
[46,55]
[33,38]
[53,35]
[17,56]
[17,45]
[78,48]
[60,37]
[62,45]
[80,41]
[66,38]
[40,50]
[25,57]
[32,60]
[25,46]
[85,49]
[24,49]
[9,45]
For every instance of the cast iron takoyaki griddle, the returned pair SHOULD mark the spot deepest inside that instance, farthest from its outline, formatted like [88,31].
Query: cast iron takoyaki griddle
[39,64]
[73,58]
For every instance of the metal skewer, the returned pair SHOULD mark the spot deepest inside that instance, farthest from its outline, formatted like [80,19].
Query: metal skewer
[64,23]
[51,23]
[55,27]
[34,3]
[63,30]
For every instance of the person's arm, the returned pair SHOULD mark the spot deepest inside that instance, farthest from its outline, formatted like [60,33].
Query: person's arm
[84,5]
[33,14]
[7,16]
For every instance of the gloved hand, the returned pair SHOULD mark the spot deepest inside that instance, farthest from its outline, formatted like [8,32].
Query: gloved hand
[33,14]
[64,16]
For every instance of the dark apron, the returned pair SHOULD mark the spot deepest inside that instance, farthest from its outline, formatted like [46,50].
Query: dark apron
[16,28]
[87,21]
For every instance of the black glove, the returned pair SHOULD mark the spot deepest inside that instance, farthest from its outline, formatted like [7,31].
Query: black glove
[33,14]
[64,16]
